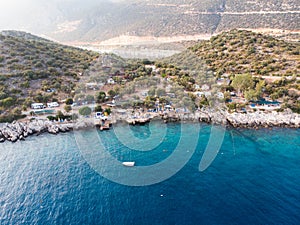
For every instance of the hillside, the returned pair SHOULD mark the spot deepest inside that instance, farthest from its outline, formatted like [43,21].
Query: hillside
[240,51]
[38,70]
[101,20]
[175,18]
[35,69]
[272,66]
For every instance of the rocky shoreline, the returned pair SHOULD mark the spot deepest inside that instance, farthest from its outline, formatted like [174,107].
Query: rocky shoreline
[20,130]
[258,119]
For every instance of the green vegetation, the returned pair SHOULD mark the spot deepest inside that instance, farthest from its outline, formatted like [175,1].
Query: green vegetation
[107,111]
[85,111]
[242,82]
[60,116]
[69,101]
[239,51]
[68,108]
[33,69]
[98,108]
[101,97]
[256,66]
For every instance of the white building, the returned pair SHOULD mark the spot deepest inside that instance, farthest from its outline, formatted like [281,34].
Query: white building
[110,81]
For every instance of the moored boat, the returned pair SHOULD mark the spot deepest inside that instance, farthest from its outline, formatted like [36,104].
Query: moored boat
[130,164]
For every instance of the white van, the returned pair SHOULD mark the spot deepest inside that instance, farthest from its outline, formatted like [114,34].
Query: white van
[37,106]
[52,104]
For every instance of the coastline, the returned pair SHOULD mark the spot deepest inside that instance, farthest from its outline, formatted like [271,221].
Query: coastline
[21,130]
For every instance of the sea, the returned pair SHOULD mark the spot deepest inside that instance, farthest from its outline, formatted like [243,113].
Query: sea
[184,173]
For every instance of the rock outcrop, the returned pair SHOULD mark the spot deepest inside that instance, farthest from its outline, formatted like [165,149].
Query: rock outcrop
[20,130]
[262,119]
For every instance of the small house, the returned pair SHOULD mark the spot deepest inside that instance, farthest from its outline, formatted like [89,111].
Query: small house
[110,81]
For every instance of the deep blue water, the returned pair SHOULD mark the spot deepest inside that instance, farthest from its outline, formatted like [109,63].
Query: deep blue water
[254,179]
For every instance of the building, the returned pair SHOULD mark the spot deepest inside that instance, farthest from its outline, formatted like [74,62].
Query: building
[110,81]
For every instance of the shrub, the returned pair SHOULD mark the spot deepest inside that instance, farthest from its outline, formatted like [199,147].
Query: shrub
[85,111]
[108,111]
[51,118]
[101,97]
[98,108]
[69,101]
[67,108]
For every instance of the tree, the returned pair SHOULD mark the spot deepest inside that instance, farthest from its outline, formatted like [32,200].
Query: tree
[67,108]
[7,102]
[107,111]
[112,93]
[90,98]
[149,102]
[60,115]
[85,111]
[101,97]
[203,101]
[242,82]
[259,88]
[251,95]
[98,108]
[69,101]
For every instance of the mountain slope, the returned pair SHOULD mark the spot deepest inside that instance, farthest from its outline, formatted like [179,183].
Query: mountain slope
[101,20]
[35,69]
[241,51]
[171,18]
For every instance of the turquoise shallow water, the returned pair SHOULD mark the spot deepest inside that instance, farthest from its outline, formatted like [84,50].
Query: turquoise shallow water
[254,179]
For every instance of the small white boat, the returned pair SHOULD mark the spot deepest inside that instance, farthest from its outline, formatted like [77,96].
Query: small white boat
[128,163]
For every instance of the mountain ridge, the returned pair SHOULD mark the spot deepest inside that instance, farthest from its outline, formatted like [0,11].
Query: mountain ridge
[102,20]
